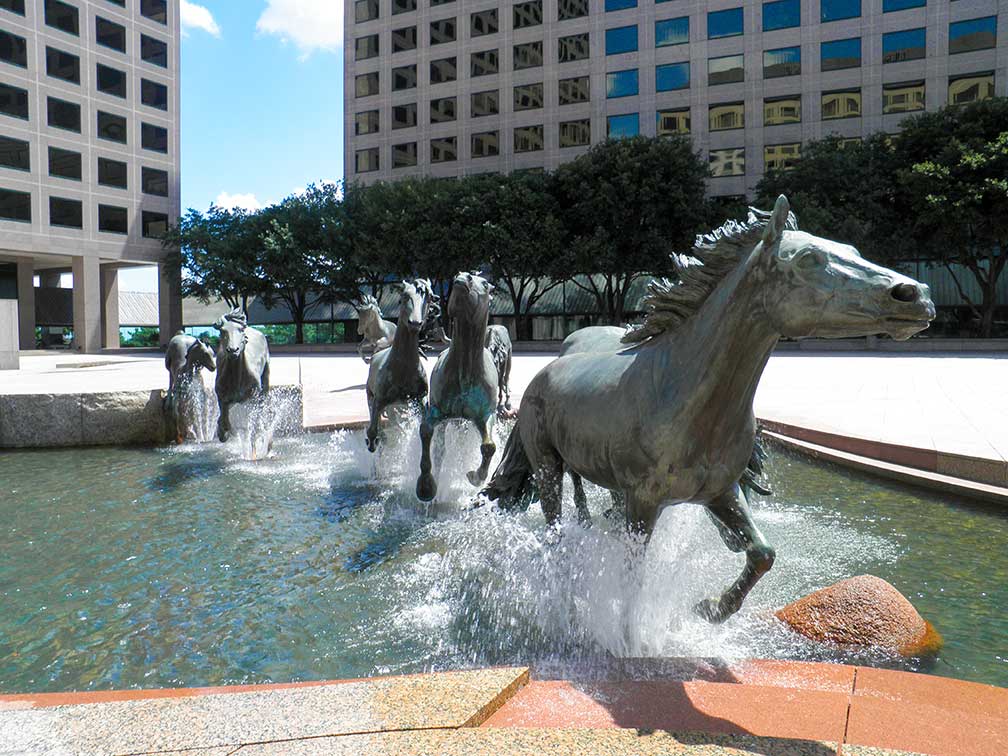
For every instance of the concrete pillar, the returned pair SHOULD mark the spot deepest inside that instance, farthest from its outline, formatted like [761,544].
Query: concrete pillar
[9,357]
[86,304]
[169,304]
[110,306]
[49,279]
[26,303]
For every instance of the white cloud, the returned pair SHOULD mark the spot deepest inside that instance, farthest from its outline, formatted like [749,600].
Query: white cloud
[197,17]
[230,201]
[310,24]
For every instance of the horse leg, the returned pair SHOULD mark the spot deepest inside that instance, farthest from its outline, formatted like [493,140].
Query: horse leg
[426,486]
[223,422]
[738,531]
[373,427]
[580,500]
[549,480]
[506,385]
[487,449]
[641,514]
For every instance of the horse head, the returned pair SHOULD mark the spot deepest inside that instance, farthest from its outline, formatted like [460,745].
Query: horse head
[232,332]
[414,301]
[818,287]
[368,310]
[470,297]
[200,355]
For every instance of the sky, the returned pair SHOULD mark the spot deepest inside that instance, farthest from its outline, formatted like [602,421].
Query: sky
[262,103]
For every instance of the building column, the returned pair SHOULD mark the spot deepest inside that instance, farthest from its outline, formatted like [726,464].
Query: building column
[49,279]
[26,303]
[169,304]
[86,304]
[110,306]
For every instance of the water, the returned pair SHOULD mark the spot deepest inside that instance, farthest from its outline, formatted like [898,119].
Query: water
[194,566]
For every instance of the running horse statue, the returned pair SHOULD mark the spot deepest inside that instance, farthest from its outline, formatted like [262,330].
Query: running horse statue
[665,415]
[185,358]
[242,366]
[498,343]
[377,332]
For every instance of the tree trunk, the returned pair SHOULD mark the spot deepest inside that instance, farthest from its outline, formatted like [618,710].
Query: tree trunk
[299,331]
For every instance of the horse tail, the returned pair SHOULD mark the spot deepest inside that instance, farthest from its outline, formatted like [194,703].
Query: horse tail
[511,484]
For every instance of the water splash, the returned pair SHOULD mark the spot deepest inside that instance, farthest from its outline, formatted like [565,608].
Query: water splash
[255,423]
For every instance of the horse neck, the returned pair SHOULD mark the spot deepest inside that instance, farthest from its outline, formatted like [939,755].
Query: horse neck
[406,342]
[469,338]
[373,325]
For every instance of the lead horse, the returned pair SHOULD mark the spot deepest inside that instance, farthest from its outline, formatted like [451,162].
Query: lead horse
[666,416]
[242,366]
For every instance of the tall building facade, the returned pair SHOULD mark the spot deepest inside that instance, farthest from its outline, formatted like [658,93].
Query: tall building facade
[450,87]
[89,153]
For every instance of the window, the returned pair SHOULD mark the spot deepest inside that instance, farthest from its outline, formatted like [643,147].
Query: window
[13,49]
[442,31]
[153,225]
[366,161]
[404,39]
[568,9]
[622,83]
[622,39]
[727,115]
[671,122]
[366,85]
[730,162]
[404,116]
[672,31]
[14,6]
[574,90]
[404,155]
[528,139]
[528,55]
[840,53]
[724,23]
[120,3]
[888,6]
[485,144]
[845,104]
[442,110]
[366,10]
[366,122]
[404,77]
[575,133]
[109,34]
[615,5]
[483,22]
[781,157]
[973,34]
[366,47]
[111,81]
[725,70]
[784,61]
[444,150]
[403,6]
[781,14]
[903,98]
[527,14]
[63,115]
[155,10]
[574,47]
[14,153]
[971,88]
[153,95]
[154,138]
[62,16]
[111,127]
[65,164]
[112,173]
[153,51]
[62,65]
[483,63]
[622,126]
[15,206]
[14,102]
[440,2]
[837,10]
[443,70]
[672,76]
[780,110]
[66,212]
[484,103]
[112,220]
[902,45]
[154,181]
[528,96]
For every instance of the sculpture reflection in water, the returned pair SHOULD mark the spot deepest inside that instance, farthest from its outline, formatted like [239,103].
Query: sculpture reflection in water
[186,403]
[663,413]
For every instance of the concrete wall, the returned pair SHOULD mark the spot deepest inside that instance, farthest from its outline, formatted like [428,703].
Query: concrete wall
[9,335]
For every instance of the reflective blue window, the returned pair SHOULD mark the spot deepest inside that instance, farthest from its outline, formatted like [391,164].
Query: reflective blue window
[615,5]
[724,23]
[973,34]
[620,40]
[672,76]
[782,14]
[671,31]
[902,45]
[835,10]
[784,61]
[621,126]
[621,83]
[840,53]
[888,6]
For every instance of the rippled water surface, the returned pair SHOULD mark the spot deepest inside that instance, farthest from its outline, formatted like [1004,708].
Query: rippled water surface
[191,566]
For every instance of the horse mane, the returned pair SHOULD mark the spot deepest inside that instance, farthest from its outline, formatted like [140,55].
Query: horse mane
[668,304]
[237,315]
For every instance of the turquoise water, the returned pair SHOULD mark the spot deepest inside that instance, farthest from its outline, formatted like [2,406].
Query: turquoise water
[191,566]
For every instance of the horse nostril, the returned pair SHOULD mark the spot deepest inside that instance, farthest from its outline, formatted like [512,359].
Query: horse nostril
[904,293]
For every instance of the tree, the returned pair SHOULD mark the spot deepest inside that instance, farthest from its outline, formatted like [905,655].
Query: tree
[625,205]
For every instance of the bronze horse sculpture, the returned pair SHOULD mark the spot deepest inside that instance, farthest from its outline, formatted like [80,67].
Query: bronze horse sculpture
[242,366]
[665,415]
[185,357]
[498,343]
[377,332]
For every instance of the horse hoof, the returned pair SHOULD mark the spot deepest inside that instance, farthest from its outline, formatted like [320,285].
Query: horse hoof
[426,487]
[371,445]
[713,610]
[475,478]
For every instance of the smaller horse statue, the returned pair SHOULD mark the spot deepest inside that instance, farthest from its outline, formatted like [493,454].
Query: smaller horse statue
[464,383]
[396,375]
[377,332]
[242,366]
[498,342]
[185,357]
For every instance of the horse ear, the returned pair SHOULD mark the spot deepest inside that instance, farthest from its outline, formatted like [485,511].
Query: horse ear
[220,323]
[778,222]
